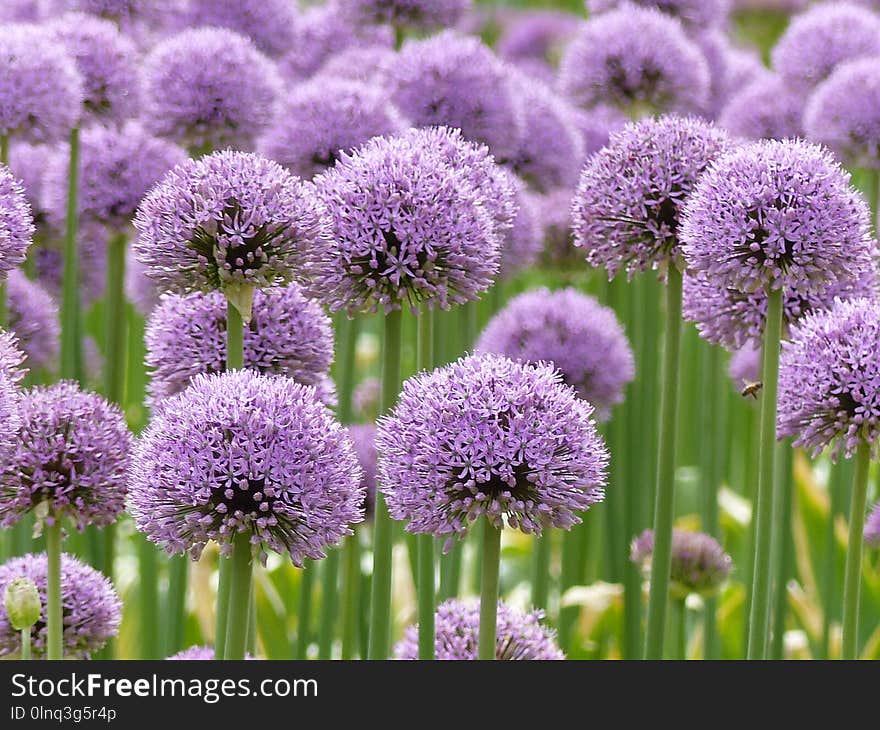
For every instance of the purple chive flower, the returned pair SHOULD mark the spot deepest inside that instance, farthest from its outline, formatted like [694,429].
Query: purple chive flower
[742,67]
[229,219]
[16,222]
[421,15]
[627,209]
[27,162]
[363,437]
[597,124]
[767,108]
[70,460]
[828,379]
[554,211]
[198,653]
[823,37]
[21,11]
[697,14]
[536,36]
[268,23]
[571,331]
[33,317]
[776,214]
[123,12]
[209,88]
[745,365]
[699,563]
[844,113]
[523,242]
[91,247]
[319,120]
[365,399]
[872,527]
[408,229]
[140,289]
[637,59]
[453,80]
[457,626]
[107,62]
[489,436]
[250,453]
[730,68]
[11,374]
[288,335]
[90,608]
[364,64]
[11,358]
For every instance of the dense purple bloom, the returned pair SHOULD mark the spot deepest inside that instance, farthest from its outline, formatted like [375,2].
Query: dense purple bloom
[627,210]
[743,66]
[524,241]
[122,11]
[363,436]
[767,108]
[90,608]
[872,527]
[16,223]
[489,436]
[27,162]
[319,120]
[571,331]
[230,219]
[536,35]
[365,399]
[21,11]
[72,455]
[730,68]
[637,59]
[596,125]
[11,373]
[288,335]
[824,36]
[33,317]
[453,80]
[699,563]
[696,13]
[457,626]
[745,365]
[422,15]
[209,88]
[11,358]
[197,653]
[776,214]
[246,453]
[268,23]
[364,64]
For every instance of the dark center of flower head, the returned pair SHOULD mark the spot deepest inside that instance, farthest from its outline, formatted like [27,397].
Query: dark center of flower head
[325,158]
[509,649]
[754,245]
[642,89]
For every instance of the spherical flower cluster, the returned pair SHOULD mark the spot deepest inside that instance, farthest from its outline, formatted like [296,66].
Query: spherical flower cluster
[33,317]
[745,365]
[16,222]
[365,399]
[823,37]
[742,67]
[71,456]
[40,88]
[698,14]
[489,436]
[123,12]
[288,335]
[597,124]
[524,241]
[776,214]
[363,436]
[369,65]
[536,36]
[321,119]
[638,59]
[422,15]
[228,219]
[828,379]
[268,23]
[872,527]
[27,162]
[11,358]
[408,229]
[246,453]
[11,373]
[209,88]
[571,331]
[21,11]
[767,108]
[554,213]
[457,81]
[627,209]
[90,609]
[457,629]
[106,60]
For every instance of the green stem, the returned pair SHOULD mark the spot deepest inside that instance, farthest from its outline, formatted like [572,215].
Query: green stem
[664,508]
[426,567]
[304,613]
[450,572]
[679,615]
[178,569]
[329,603]
[241,578]
[26,643]
[54,627]
[542,547]
[853,573]
[712,430]
[4,149]
[838,479]
[224,576]
[234,338]
[70,302]
[351,579]
[782,548]
[572,559]
[489,590]
[116,320]
[380,599]
[148,573]
[762,573]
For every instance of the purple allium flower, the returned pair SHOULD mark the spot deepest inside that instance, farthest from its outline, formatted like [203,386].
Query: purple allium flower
[229,219]
[363,436]
[140,289]
[11,358]
[198,653]
[457,626]
[571,331]
[745,365]
[107,62]
[489,436]
[699,563]
[637,59]
[365,399]
[71,457]
[453,80]
[209,88]
[730,68]
[597,124]
[33,317]
[321,119]
[91,247]
[244,452]
[21,11]
[118,166]
[627,210]
[767,108]
[11,373]
[421,15]
[536,35]
[776,214]
[364,64]
[698,14]
[408,229]
[743,66]
[828,379]
[27,162]
[268,23]
[16,222]
[872,527]
[123,12]
[823,37]
[554,211]
[844,113]
[523,242]
[288,335]
[90,608]
[41,91]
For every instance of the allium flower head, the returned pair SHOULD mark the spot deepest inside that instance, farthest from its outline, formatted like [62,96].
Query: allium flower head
[16,222]
[140,289]
[246,453]
[457,81]
[408,229]
[829,379]
[489,436]
[209,88]
[230,219]
[365,399]
[597,124]
[319,120]
[11,374]
[27,162]
[90,608]
[638,59]
[422,15]
[872,527]
[524,241]
[365,64]
[11,358]
[457,627]
[698,14]
[70,460]
[268,23]
[363,436]
[627,209]
[571,331]
[767,108]
[745,365]
[197,653]
[554,210]
[536,35]
[823,37]
[776,214]
[91,245]
[123,12]
[33,318]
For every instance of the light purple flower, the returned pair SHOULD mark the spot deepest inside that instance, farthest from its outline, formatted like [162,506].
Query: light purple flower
[33,317]
[596,125]
[16,222]
[140,289]
[363,437]
[365,399]
[198,653]
[745,365]
[11,359]
[270,24]
[364,64]
[91,245]
[536,36]
[767,108]
[524,241]
[698,14]
[872,527]
[420,15]
[27,162]
[554,211]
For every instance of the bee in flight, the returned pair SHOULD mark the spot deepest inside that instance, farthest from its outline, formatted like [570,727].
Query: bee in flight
[751,390]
